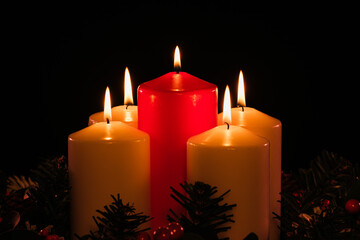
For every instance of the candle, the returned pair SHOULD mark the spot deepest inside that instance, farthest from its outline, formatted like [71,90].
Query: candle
[127,113]
[107,158]
[232,157]
[173,108]
[269,128]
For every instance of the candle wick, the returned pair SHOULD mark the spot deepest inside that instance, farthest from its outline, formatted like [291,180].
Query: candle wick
[177,69]
[242,107]
[127,105]
[107,120]
[228,125]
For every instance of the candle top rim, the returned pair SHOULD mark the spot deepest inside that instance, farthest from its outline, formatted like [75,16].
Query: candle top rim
[222,137]
[102,131]
[177,82]
[117,108]
[119,113]
[251,117]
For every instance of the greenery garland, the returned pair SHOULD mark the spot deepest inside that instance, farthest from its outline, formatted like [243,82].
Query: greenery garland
[117,221]
[315,201]
[321,202]
[38,202]
[205,215]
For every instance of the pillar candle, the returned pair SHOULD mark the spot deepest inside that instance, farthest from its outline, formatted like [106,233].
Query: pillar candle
[269,128]
[127,113]
[107,158]
[173,108]
[232,157]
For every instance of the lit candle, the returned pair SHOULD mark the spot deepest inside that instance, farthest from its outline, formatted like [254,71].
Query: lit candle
[232,157]
[107,158]
[269,128]
[173,108]
[127,113]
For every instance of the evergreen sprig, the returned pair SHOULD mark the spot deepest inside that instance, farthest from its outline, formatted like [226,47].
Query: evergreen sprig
[52,196]
[117,221]
[206,215]
[313,205]
[313,200]
[40,199]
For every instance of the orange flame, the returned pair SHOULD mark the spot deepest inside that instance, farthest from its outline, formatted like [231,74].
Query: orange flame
[227,106]
[107,105]
[128,96]
[177,61]
[241,91]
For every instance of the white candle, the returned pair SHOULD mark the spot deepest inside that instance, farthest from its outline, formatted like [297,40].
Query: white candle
[269,128]
[107,158]
[232,157]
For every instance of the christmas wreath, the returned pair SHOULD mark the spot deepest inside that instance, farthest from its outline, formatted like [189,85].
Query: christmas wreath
[321,202]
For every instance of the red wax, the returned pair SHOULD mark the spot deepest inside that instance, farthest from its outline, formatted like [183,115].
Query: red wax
[171,109]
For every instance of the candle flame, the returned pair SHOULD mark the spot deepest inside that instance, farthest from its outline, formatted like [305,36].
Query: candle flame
[128,96]
[177,61]
[107,105]
[241,91]
[227,106]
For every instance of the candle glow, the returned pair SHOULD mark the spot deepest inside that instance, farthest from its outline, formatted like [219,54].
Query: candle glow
[227,106]
[128,96]
[107,105]
[126,113]
[241,91]
[177,61]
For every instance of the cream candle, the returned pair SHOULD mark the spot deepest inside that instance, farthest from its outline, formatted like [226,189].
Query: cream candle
[127,113]
[232,157]
[107,158]
[269,128]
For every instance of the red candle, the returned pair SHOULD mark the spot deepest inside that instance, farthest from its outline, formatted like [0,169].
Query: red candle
[171,109]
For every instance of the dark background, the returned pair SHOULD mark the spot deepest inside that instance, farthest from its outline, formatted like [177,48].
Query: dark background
[300,65]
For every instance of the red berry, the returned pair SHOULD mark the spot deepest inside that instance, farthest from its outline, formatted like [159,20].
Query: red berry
[143,236]
[352,206]
[52,237]
[162,233]
[44,232]
[177,230]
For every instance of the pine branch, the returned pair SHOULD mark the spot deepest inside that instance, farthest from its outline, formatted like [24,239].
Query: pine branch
[206,215]
[316,208]
[117,221]
[51,196]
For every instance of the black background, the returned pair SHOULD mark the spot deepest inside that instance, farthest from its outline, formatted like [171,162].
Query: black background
[300,65]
